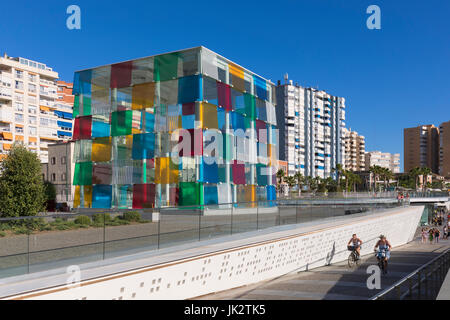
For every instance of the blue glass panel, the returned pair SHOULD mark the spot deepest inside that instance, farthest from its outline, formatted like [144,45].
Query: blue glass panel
[101,196]
[143,146]
[210,194]
[261,175]
[100,129]
[149,121]
[221,119]
[271,193]
[210,172]
[189,89]
[188,122]
[237,121]
[260,87]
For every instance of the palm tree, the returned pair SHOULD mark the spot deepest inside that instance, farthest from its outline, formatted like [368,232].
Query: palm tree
[415,173]
[425,172]
[291,181]
[339,171]
[300,181]
[376,171]
[280,175]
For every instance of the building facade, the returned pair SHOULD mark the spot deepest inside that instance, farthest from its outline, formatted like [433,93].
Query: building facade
[310,124]
[444,149]
[59,170]
[28,105]
[355,147]
[64,110]
[178,129]
[421,147]
[387,160]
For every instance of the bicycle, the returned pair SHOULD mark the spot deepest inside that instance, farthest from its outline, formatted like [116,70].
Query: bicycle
[353,258]
[382,262]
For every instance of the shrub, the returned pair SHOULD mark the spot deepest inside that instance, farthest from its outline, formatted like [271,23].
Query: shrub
[100,218]
[83,220]
[2,234]
[131,216]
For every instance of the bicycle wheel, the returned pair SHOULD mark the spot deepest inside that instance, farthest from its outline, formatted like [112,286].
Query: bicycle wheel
[351,260]
[358,261]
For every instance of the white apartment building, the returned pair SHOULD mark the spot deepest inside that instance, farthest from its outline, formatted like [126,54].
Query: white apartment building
[28,92]
[310,124]
[383,159]
[355,147]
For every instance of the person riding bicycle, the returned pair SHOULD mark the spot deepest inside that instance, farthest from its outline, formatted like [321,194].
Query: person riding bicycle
[384,247]
[355,244]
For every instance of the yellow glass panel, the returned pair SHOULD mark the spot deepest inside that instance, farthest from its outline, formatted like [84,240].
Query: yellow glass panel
[101,149]
[236,70]
[87,196]
[250,194]
[77,197]
[209,116]
[143,96]
[165,171]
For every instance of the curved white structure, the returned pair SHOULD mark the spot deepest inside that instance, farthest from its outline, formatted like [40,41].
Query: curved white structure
[241,261]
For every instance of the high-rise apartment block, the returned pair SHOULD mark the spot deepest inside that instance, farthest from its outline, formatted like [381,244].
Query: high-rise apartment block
[28,106]
[310,124]
[421,147]
[444,149]
[132,117]
[64,104]
[387,160]
[355,146]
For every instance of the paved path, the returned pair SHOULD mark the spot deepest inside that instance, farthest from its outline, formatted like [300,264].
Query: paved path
[337,281]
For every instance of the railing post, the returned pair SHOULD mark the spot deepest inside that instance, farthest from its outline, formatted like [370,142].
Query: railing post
[200,221]
[159,225]
[410,288]
[257,215]
[231,226]
[104,234]
[398,292]
[418,285]
[426,282]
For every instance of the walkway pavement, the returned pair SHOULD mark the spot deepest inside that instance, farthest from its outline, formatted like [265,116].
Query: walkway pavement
[338,281]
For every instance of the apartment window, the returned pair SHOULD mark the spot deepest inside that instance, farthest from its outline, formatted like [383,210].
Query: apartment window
[32,120]
[32,109]
[53,160]
[19,74]
[19,117]
[53,176]
[32,88]
[63,160]
[19,85]
[32,78]
[19,130]
[33,131]
[18,106]
[63,177]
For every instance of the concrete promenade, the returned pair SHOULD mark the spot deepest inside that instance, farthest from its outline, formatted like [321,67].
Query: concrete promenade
[338,281]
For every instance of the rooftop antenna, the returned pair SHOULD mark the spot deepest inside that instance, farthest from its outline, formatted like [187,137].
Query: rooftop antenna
[286,78]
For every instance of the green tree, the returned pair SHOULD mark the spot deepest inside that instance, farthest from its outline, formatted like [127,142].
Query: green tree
[291,182]
[21,186]
[50,195]
[339,172]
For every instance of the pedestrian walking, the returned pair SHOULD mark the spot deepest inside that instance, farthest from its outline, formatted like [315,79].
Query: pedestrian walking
[424,235]
[431,235]
[437,234]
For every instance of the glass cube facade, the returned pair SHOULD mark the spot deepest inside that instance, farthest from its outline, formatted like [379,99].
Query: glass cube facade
[177,129]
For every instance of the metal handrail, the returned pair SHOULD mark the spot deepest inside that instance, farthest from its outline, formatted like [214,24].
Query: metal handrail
[409,278]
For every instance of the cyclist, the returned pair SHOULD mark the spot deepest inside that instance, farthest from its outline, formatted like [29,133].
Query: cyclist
[383,246]
[355,244]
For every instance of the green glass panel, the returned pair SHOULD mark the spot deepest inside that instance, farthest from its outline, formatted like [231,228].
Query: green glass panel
[83,174]
[190,193]
[86,106]
[166,67]
[76,106]
[227,147]
[250,106]
[121,123]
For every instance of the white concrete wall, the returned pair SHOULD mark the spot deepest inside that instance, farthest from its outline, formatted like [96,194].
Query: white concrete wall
[244,265]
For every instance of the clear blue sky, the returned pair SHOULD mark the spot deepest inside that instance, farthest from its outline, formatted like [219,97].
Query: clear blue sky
[392,78]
